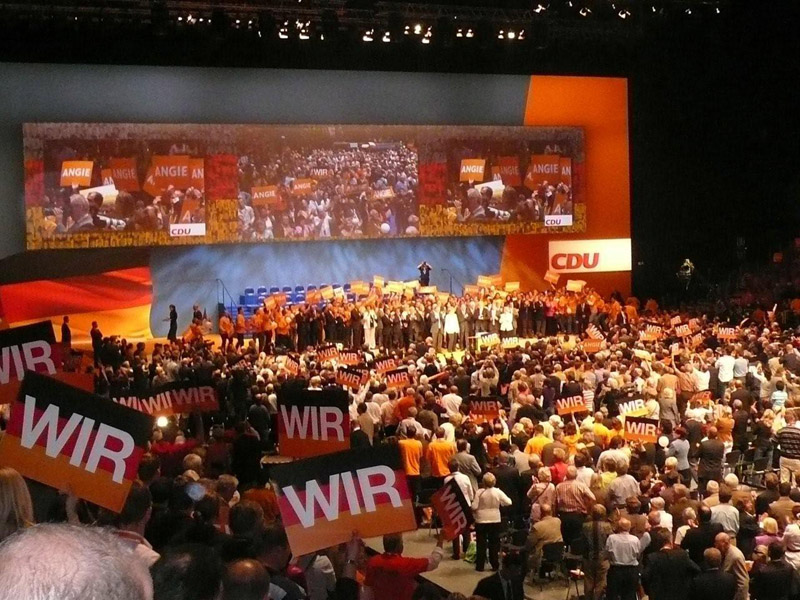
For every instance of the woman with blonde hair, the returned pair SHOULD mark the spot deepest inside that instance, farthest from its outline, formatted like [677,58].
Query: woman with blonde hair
[16,508]
[488,521]
[541,492]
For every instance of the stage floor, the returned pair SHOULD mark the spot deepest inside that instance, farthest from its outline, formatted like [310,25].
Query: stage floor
[460,576]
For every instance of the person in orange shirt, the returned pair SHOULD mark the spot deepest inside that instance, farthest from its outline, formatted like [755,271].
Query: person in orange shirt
[537,442]
[240,327]
[267,331]
[411,455]
[439,453]
[493,442]
[225,331]
[255,327]
[406,402]
[282,325]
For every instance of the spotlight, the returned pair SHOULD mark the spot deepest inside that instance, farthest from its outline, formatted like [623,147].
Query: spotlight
[624,14]
[585,12]
[407,30]
[688,11]
[521,35]
[470,33]
[417,29]
[460,33]
[387,37]
[511,34]
[368,35]
[303,30]
[162,422]
[283,32]
[501,35]
[426,39]
[540,8]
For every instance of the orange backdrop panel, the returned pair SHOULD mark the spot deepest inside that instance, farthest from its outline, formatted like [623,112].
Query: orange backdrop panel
[600,106]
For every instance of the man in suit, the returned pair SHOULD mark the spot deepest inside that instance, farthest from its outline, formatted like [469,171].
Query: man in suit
[733,562]
[668,573]
[467,464]
[781,509]
[509,481]
[712,452]
[506,584]
[771,580]
[547,530]
[701,537]
[713,582]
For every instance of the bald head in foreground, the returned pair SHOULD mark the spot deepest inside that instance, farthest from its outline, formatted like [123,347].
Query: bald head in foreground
[69,562]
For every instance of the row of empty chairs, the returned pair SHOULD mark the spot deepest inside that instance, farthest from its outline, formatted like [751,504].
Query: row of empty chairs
[254,296]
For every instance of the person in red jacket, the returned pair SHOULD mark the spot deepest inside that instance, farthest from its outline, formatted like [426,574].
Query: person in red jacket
[392,576]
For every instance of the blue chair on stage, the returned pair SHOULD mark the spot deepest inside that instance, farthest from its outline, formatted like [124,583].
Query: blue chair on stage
[287,289]
[351,297]
[299,289]
[249,292]
[252,300]
[299,297]
[262,290]
[242,300]
[310,287]
[346,287]
[274,289]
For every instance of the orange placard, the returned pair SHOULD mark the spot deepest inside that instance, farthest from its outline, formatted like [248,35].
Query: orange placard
[508,169]
[171,171]
[551,277]
[105,177]
[150,186]
[640,429]
[512,286]
[124,174]
[313,422]
[303,187]
[543,168]
[571,404]
[267,196]
[197,170]
[592,345]
[472,169]
[565,170]
[76,172]
[471,290]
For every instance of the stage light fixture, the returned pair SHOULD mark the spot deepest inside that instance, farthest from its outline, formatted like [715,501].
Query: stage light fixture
[470,33]
[387,37]
[368,35]
[540,8]
[511,34]
[426,39]
[624,14]
[459,33]
[521,35]
[585,11]
[501,35]
[417,29]
[303,30]
[283,32]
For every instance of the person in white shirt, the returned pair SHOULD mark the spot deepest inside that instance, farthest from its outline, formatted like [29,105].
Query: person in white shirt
[451,328]
[488,522]
[451,402]
[658,504]
[449,427]
[725,364]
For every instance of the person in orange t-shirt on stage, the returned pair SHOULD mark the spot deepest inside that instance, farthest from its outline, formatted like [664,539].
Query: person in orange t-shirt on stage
[240,328]
[226,331]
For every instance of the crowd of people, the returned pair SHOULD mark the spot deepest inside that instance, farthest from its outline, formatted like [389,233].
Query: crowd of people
[479,203]
[712,508]
[365,192]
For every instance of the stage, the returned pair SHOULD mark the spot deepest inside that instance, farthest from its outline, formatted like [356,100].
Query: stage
[460,576]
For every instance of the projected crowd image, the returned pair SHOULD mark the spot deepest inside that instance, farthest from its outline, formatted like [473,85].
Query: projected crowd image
[102,185]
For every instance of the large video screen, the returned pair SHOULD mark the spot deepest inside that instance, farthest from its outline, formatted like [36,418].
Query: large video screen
[111,185]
